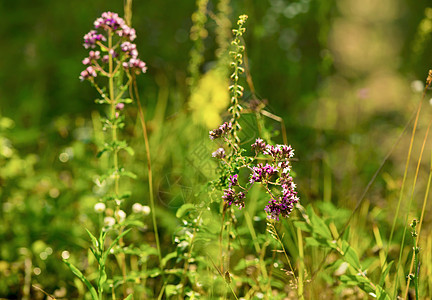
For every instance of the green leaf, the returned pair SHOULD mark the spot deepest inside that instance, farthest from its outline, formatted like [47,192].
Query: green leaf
[171,290]
[129,297]
[319,227]
[102,276]
[350,256]
[106,253]
[302,225]
[385,273]
[128,174]
[125,195]
[99,154]
[168,257]
[310,241]
[154,272]
[130,151]
[359,281]
[381,294]
[96,255]
[184,209]
[136,223]
[80,275]
[94,240]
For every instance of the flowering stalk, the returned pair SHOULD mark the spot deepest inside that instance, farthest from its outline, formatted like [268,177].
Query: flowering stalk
[236,89]
[112,37]
[274,175]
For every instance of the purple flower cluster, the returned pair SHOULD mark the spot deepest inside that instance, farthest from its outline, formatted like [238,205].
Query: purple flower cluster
[233,180]
[89,72]
[219,153]
[283,205]
[135,64]
[112,21]
[231,197]
[91,38]
[279,151]
[93,56]
[259,146]
[113,25]
[261,172]
[218,132]
[274,173]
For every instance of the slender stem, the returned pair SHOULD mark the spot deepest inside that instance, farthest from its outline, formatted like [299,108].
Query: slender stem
[421,218]
[301,264]
[276,236]
[259,250]
[188,257]
[112,103]
[403,184]
[150,174]
[220,239]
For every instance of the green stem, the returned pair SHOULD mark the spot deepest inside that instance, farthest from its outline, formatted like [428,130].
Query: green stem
[112,103]
[257,247]
[150,175]
[301,264]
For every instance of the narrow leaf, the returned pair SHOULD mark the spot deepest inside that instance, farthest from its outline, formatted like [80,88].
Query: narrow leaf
[83,279]
[106,253]
[385,273]
[93,239]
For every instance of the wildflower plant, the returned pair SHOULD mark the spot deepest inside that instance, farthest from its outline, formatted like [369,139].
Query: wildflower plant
[111,67]
[274,175]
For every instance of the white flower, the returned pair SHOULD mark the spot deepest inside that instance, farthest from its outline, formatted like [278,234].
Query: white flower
[121,215]
[137,208]
[99,207]
[145,210]
[109,221]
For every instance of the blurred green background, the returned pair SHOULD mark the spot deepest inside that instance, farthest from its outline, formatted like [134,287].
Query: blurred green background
[343,75]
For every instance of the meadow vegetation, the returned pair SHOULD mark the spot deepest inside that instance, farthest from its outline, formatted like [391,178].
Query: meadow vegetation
[217,150]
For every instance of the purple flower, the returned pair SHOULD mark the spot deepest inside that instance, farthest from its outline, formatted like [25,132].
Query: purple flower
[93,55]
[230,197]
[219,153]
[284,205]
[91,38]
[88,73]
[218,132]
[120,106]
[279,151]
[233,180]
[109,20]
[259,145]
[261,172]
[126,31]
[136,65]
[129,47]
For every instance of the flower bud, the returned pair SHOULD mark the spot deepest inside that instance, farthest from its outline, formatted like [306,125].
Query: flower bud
[99,207]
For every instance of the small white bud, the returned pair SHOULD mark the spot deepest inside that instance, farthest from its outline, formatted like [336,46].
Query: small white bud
[109,221]
[121,215]
[137,208]
[145,210]
[99,207]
